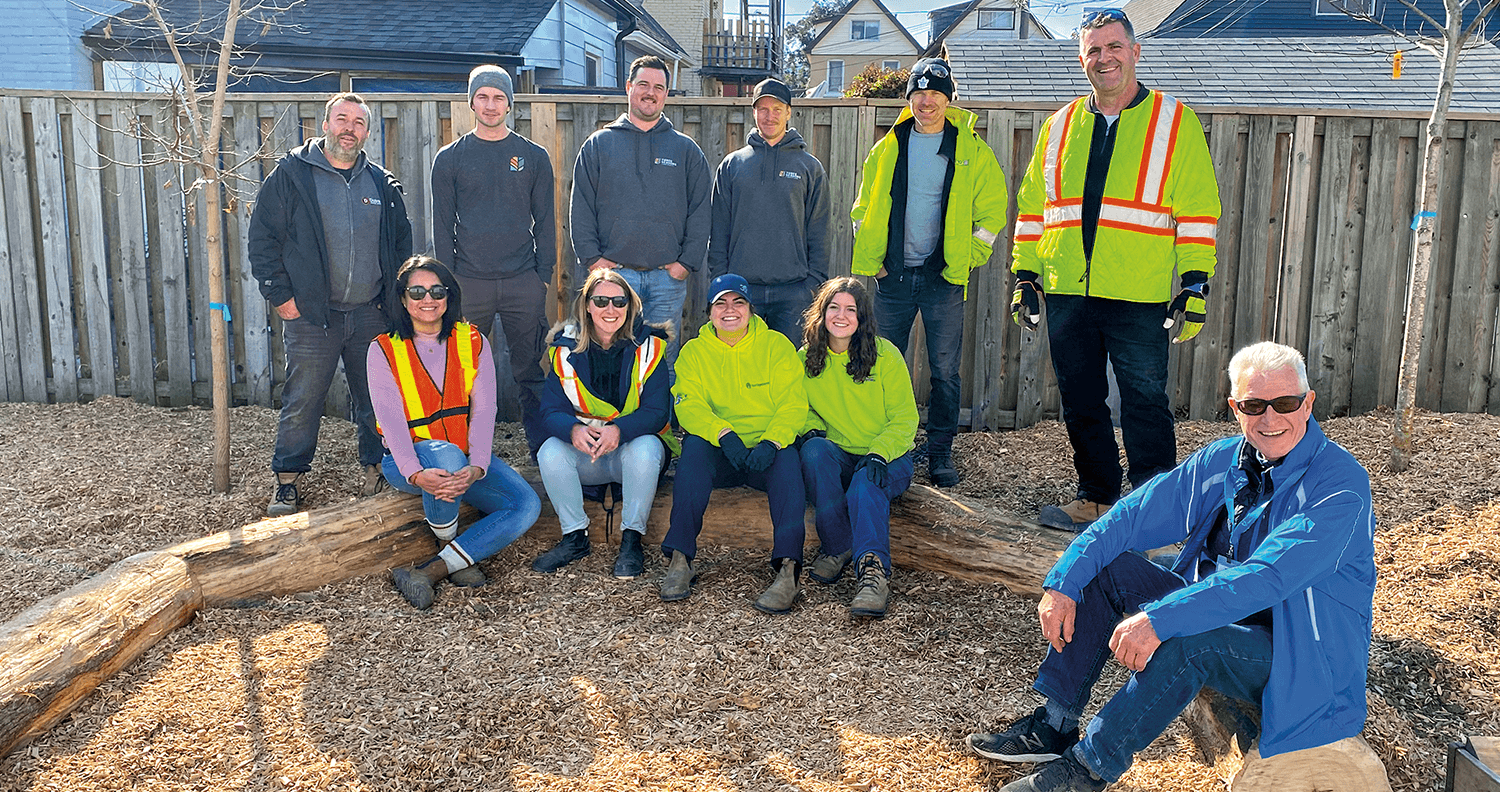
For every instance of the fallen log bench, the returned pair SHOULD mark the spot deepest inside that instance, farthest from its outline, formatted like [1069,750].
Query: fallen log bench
[1224,731]
[53,654]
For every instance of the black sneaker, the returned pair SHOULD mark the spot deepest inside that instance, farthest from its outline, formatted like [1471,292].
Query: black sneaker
[1029,739]
[574,545]
[1063,775]
[631,561]
[940,470]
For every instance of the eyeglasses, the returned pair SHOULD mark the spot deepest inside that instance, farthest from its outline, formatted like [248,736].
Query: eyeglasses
[438,292]
[1105,16]
[1281,404]
[601,301]
[935,69]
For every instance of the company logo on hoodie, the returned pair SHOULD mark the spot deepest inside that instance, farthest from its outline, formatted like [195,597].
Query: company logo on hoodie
[790,175]
[517,164]
[667,161]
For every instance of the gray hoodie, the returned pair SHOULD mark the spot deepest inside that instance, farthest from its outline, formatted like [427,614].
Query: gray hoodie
[351,212]
[640,199]
[770,213]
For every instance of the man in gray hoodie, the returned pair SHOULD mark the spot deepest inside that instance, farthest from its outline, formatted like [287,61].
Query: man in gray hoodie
[328,232]
[770,215]
[641,200]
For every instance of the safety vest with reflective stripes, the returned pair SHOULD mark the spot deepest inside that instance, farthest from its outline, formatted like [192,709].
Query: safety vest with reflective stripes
[1160,209]
[592,410]
[433,414]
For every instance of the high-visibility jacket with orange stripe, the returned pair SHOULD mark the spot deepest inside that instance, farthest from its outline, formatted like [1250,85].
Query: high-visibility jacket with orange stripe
[432,414]
[1160,210]
[594,411]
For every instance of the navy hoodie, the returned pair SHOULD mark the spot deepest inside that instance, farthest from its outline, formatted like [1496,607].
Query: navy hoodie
[770,213]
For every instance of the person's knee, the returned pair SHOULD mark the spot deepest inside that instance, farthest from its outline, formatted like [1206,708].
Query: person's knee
[441,454]
[644,452]
[818,452]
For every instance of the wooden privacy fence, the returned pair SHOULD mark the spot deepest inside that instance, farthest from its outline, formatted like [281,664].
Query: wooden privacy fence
[103,288]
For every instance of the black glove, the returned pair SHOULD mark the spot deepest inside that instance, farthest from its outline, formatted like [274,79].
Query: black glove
[808,435]
[877,467]
[1191,305]
[761,456]
[734,450]
[1026,302]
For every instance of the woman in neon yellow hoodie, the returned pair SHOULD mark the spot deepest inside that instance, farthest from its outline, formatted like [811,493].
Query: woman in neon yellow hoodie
[739,397]
[860,400]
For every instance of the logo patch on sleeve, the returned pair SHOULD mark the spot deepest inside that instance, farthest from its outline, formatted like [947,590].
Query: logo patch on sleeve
[517,164]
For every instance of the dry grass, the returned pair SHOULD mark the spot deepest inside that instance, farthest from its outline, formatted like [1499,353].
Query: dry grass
[577,681]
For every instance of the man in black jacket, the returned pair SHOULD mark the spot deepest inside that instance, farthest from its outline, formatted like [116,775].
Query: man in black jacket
[328,233]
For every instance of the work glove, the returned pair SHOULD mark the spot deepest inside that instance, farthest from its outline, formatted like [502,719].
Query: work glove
[1026,302]
[874,463]
[1191,305]
[734,450]
[808,435]
[761,456]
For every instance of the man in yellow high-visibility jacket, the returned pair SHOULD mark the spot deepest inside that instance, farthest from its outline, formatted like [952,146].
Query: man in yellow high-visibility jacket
[1119,195]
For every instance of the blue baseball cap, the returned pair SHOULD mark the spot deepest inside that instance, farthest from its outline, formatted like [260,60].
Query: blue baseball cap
[726,283]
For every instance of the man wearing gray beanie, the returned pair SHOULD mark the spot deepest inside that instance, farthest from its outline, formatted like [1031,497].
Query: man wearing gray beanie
[492,224]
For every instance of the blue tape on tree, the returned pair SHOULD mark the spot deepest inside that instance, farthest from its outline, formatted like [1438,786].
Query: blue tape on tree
[1417,219]
[221,307]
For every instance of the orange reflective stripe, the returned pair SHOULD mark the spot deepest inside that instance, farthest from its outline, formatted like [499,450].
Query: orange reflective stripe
[1156,157]
[433,414]
[1057,141]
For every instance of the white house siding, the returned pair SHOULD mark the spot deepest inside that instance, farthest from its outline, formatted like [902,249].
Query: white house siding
[968,28]
[859,53]
[40,46]
[572,29]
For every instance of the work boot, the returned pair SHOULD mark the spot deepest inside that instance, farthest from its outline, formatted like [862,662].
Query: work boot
[874,589]
[829,568]
[286,500]
[468,577]
[783,590]
[416,582]
[940,469]
[631,560]
[1076,516]
[574,545]
[374,482]
[677,584]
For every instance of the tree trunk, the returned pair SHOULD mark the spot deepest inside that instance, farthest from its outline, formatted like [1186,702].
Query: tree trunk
[56,652]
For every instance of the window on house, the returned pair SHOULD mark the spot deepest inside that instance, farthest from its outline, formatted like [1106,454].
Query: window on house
[997,19]
[1339,7]
[891,65]
[836,75]
[864,29]
[593,66]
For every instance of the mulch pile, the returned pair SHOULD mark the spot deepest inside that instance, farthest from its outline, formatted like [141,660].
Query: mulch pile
[577,681]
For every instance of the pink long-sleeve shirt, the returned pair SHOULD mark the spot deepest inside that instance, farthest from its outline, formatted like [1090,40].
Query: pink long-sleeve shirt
[385,395]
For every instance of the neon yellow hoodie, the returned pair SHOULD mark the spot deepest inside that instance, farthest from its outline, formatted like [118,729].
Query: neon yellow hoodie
[753,388]
[877,416]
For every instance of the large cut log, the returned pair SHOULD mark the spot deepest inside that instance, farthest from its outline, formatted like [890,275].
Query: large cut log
[56,652]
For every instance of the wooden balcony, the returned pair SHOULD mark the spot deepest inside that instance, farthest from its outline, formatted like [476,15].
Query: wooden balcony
[735,50]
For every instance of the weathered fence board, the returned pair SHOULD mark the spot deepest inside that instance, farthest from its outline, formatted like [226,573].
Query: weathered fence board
[103,268]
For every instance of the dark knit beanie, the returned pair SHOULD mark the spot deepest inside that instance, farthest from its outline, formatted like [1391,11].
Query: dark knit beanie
[931,74]
[773,88]
[488,76]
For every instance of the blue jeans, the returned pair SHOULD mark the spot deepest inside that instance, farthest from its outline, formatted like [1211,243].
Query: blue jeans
[661,301]
[509,504]
[1234,660]
[1084,333]
[852,513]
[898,298]
[312,358]
[781,305]
[702,467]
[636,465]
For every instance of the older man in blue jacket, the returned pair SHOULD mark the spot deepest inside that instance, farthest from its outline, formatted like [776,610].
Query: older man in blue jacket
[1268,602]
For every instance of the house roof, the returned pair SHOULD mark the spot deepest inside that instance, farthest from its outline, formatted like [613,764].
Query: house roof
[1335,73]
[944,20]
[851,4]
[1147,15]
[647,24]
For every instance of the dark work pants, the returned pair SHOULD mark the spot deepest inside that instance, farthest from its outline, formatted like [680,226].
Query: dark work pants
[781,305]
[703,468]
[313,353]
[899,296]
[521,302]
[1085,333]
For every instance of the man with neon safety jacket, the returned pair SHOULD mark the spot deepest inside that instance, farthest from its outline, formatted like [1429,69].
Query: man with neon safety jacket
[1120,193]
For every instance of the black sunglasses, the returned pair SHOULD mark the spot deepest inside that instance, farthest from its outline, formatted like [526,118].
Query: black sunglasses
[438,292]
[1108,15]
[601,301]
[1281,404]
[935,69]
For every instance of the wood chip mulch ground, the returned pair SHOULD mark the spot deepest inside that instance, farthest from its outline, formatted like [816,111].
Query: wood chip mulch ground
[577,681]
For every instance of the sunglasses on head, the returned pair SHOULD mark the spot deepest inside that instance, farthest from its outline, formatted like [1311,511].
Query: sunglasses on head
[438,292]
[1281,404]
[1107,15]
[935,69]
[601,301]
